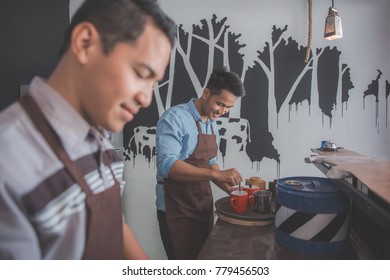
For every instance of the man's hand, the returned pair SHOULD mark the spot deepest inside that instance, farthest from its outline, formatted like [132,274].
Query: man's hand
[230,176]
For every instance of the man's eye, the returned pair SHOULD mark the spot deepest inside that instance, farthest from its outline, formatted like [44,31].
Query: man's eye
[141,74]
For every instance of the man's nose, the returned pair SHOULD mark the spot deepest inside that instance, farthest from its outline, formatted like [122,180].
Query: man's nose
[144,97]
[224,110]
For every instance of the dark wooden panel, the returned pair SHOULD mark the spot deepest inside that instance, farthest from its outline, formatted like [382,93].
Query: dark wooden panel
[31,35]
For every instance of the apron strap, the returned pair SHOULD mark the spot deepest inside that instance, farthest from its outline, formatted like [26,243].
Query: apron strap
[200,129]
[198,126]
[41,123]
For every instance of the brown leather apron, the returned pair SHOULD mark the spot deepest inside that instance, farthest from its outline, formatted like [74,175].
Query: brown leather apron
[189,206]
[104,238]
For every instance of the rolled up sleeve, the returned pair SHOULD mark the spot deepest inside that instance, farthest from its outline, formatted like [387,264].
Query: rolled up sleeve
[169,142]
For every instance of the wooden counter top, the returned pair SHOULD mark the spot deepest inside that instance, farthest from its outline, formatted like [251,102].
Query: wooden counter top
[372,172]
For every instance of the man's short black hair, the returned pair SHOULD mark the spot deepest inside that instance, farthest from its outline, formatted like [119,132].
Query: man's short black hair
[223,79]
[120,20]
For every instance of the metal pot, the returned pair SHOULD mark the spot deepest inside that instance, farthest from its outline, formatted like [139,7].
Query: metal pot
[328,146]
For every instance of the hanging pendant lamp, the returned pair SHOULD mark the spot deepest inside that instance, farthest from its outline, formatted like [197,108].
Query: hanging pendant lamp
[333,28]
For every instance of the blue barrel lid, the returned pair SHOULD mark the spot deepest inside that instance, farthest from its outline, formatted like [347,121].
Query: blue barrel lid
[311,195]
[307,184]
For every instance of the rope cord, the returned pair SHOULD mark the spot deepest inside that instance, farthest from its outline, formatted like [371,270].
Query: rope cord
[310,33]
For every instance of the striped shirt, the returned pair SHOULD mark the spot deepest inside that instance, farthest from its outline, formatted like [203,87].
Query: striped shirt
[42,208]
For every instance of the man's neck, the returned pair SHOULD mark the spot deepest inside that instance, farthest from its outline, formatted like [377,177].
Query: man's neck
[199,107]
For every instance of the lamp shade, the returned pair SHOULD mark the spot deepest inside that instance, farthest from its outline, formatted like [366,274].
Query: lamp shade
[333,28]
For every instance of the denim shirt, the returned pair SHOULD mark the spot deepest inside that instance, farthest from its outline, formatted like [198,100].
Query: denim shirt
[176,139]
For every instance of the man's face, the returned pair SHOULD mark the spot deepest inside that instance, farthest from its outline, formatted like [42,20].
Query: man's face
[116,85]
[218,105]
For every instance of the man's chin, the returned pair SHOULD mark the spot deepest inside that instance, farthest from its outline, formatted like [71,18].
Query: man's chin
[115,128]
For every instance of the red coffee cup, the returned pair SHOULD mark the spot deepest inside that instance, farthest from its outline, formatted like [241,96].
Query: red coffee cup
[250,191]
[239,201]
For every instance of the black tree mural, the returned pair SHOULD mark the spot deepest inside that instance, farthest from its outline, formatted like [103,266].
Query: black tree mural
[373,90]
[278,77]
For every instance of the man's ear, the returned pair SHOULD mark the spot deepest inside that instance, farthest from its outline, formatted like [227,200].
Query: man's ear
[206,93]
[84,38]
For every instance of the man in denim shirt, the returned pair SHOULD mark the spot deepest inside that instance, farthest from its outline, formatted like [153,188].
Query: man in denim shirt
[186,147]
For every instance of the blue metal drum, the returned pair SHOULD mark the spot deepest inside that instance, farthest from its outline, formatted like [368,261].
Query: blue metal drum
[312,216]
